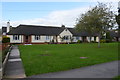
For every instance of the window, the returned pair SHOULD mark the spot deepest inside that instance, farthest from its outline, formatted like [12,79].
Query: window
[65,29]
[15,37]
[48,37]
[37,37]
[77,38]
[66,37]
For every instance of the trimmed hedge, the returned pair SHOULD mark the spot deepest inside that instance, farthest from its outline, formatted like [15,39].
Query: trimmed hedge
[5,39]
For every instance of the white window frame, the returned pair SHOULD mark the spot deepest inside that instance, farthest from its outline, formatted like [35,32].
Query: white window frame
[67,37]
[16,37]
[48,37]
[37,37]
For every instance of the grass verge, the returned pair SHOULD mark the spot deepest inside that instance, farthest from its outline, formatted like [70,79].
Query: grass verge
[116,78]
[38,59]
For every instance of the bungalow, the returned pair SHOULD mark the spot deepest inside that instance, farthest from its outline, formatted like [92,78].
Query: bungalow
[33,34]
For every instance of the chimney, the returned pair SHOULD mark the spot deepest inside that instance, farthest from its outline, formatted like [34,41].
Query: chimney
[8,27]
[63,26]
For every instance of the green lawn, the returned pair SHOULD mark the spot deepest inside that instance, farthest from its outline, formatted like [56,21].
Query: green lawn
[38,59]
[116,78]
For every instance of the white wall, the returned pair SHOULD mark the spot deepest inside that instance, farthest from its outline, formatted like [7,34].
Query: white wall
[65,33]
[88,39]
[41,40]
[97,39]
[16,41]
[59,39]
[92,38]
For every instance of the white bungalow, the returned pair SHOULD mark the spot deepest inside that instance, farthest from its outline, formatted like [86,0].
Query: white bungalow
[32,34]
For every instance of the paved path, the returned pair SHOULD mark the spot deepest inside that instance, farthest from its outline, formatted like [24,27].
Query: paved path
[105,70]
[14,67]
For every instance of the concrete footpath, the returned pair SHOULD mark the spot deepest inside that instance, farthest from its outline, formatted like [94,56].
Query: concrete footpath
[105,70]
[14,67]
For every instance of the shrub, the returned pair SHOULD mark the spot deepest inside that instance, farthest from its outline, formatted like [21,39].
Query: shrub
[102,40]
[79,41]
[105,40]
[108,40]
[5,39]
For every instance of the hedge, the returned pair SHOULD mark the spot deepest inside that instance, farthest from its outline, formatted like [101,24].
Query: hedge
[5,39]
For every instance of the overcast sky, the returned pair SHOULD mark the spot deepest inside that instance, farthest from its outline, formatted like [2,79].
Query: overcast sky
[46,13]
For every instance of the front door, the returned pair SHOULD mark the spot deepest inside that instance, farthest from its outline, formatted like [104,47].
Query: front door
[27,39]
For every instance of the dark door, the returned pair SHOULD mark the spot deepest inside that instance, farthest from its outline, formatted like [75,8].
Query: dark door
[27,39]
[84,39]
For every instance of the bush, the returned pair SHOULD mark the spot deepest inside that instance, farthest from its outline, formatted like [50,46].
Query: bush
[105,40]
[79,41]
[5,39]
[108,40]
[102,40]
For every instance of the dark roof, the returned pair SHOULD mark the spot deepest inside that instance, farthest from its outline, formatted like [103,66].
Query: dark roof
[36,30]
[73,31]
[81,33]
[44,30]
[4,29]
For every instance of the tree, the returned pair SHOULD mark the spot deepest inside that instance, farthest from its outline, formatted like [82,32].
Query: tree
[118,19]
[96,20]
